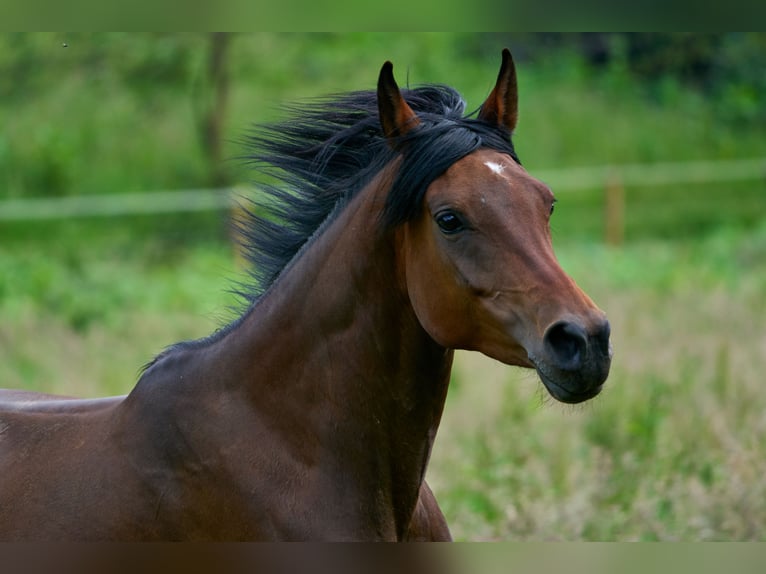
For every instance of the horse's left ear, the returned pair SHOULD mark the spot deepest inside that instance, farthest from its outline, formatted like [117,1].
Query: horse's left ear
[396,116]
[502,104]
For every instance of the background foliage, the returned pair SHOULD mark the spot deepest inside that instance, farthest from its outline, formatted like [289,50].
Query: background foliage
[673,449]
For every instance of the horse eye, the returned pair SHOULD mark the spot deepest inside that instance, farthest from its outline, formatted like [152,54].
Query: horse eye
[552,206]
[448,222]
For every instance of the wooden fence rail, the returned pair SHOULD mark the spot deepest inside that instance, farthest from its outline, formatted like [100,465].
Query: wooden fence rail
[613,179]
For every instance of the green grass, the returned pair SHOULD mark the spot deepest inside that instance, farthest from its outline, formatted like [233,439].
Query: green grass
[84,322]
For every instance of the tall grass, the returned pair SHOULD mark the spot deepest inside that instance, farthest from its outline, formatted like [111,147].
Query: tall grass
[85,323]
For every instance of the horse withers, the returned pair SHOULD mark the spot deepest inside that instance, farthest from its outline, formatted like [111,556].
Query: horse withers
[401,230]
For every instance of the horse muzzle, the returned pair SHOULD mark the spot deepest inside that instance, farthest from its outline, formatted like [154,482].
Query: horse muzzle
[575,361]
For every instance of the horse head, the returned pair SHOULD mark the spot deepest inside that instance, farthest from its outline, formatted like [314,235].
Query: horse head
[477,260]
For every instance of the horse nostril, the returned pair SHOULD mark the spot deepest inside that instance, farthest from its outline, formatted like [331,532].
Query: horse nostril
[602,338]
[568,343]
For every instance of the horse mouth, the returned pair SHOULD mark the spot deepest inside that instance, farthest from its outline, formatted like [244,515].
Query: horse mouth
[567,395]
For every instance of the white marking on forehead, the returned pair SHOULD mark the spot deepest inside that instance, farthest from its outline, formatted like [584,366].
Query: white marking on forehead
[494,167]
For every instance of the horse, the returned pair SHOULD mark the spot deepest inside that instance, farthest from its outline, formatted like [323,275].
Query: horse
[397,229]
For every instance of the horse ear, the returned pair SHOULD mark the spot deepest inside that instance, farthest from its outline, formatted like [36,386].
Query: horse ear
[396,116]
[501,107]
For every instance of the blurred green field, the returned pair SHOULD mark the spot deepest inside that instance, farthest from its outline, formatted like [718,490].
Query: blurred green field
[115,113]
[673,449]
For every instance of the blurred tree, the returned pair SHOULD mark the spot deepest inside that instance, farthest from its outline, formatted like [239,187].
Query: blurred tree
[213,114]
[729,67]
[738,77]
[688,56]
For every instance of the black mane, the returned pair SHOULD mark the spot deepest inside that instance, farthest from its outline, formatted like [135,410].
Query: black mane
[329,149]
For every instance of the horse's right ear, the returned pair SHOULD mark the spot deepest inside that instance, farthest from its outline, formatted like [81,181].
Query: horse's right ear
[396,116]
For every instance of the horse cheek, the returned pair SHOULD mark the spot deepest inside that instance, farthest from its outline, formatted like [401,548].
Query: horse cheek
[441,306]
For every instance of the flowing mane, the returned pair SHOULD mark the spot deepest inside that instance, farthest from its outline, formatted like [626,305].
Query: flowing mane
[327,150]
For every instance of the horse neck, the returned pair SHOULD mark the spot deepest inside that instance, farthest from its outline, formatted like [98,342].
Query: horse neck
[335,355]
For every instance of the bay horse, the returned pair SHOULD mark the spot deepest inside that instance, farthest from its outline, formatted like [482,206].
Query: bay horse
[399,229]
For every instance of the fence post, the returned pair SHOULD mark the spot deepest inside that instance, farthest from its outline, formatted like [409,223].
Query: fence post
[614,211]
[214,113]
